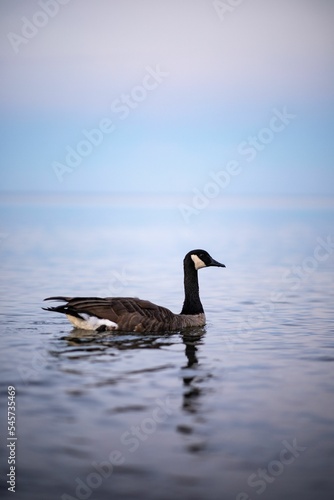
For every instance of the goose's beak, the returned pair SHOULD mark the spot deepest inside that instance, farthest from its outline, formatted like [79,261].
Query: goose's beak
[216,264]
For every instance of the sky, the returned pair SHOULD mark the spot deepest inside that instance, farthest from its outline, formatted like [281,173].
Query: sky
[167,96]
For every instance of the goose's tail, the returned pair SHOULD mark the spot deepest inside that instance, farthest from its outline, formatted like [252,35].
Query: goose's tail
[64,308]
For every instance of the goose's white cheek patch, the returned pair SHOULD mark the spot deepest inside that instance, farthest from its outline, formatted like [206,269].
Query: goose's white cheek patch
[198,262]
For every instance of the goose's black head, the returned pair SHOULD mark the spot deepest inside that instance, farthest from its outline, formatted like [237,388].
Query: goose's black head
[201,258]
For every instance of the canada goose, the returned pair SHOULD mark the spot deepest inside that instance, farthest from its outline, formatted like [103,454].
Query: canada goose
[136,315]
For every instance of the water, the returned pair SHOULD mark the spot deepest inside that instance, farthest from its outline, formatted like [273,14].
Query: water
[240,409]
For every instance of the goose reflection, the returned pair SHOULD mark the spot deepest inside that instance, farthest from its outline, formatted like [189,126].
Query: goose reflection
[122,341]
[191,377]
[192,374]
[81,342]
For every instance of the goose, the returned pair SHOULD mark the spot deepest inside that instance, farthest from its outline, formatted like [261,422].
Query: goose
[136,315]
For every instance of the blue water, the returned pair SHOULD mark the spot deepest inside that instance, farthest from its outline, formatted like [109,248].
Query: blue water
[240,409]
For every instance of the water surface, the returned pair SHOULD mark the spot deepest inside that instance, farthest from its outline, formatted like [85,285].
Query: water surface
[241,408]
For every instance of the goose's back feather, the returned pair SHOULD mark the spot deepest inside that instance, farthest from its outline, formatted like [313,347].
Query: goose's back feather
[123,313]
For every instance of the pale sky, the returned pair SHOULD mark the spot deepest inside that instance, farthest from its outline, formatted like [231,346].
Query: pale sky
[177,88]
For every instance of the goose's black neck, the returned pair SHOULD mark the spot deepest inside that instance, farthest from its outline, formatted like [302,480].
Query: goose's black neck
[192,303]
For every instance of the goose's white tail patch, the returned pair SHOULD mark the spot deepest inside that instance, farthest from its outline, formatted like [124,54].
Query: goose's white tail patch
[91,322]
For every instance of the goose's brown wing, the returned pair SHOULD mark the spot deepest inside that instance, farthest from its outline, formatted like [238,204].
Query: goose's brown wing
[130,314]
